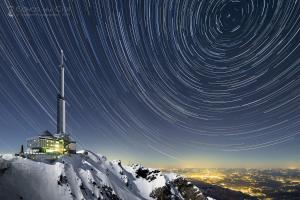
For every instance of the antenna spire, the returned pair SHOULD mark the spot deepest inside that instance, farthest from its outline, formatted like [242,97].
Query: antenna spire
[62,57]
[61,104]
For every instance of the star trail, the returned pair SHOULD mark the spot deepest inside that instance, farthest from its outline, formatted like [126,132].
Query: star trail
[159,80]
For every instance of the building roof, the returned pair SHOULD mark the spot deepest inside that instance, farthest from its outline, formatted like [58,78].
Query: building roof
[46,134]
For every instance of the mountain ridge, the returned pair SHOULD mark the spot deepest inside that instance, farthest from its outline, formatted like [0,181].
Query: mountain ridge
[88,176]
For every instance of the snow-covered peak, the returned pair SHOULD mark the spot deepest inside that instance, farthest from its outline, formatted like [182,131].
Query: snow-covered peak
[89,176]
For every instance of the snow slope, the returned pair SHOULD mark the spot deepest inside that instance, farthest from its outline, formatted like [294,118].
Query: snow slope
[89,176]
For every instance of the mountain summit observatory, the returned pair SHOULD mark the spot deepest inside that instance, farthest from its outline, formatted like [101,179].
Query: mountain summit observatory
[60,143]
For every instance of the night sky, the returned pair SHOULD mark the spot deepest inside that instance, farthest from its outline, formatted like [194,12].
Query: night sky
[191,83]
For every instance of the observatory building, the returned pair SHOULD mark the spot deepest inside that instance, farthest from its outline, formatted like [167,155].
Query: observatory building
[61,142]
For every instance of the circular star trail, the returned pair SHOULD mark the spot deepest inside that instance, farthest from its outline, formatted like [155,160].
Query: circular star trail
[167,75]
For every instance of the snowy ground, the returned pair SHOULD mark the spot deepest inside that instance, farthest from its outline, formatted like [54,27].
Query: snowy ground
[83,176]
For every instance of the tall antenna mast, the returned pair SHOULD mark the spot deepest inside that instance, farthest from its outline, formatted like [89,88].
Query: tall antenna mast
[61,104]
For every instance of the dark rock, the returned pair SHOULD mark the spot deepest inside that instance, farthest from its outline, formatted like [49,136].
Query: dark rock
[62,180]
[185,189]
[163,193]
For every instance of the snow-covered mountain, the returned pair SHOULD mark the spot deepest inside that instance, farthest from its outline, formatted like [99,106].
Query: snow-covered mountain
[89,176]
